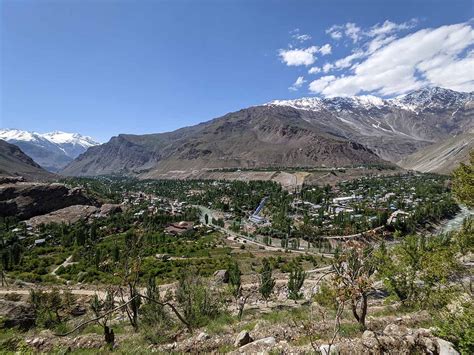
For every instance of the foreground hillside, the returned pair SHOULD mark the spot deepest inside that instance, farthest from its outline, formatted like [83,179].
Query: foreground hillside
[175,266]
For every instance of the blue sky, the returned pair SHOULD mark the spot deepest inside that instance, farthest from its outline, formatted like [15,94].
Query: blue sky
[106,67]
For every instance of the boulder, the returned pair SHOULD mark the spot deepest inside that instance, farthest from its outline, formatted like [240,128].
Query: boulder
[395,330]
[17,314]
[202,336]
[324,349]
[445,347]
[25,200]
[259,346]
[78,310]
[221,276]
[108,209]
[242,339]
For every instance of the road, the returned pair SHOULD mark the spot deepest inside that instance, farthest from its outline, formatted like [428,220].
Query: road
[242,239]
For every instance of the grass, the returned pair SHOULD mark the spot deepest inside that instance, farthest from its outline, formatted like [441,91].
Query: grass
[222,322]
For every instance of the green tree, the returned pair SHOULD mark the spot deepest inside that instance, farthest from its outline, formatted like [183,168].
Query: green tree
[463,182]
[234,279]
[267,282]
[295,282]
[354,267]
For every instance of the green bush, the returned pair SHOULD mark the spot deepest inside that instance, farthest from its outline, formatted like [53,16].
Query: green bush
[458,327]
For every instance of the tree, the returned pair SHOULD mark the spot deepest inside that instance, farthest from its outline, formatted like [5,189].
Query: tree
[102,309]
[354,268]
[206,218]
[267,282]
[295,282]
[234,279]
[463,182]
[195,299]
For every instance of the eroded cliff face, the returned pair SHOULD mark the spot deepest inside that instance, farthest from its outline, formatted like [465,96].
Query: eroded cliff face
[25,200]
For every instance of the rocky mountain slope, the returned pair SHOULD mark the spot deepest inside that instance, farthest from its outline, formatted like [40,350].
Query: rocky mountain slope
[251,138]
[13,162]
[395,127]
[305,132]
[442,157]
[52,150]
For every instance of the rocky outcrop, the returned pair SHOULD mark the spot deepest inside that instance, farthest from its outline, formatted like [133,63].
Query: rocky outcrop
[26,200]
[17,314]
[243,338]
[67,215]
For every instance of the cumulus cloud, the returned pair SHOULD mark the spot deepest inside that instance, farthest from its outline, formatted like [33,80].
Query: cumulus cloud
[295,57]
[321,83]
[327,67]
[386,64]
[326,49]
[300,37]
[314,70]
[297,84]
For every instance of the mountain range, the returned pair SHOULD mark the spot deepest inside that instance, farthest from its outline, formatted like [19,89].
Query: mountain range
[307,132]
[53,151]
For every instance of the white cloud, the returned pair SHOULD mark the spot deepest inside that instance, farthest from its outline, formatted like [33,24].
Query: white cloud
[295,57]
[314,70]
[326,49]
[297,84]
[327,67]
[353,31]
[347,61]
[389,27]
[435,56]
[335,32]
[302,38]
[321,83]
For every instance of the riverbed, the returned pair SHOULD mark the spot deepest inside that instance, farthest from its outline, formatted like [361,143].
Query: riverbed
[456,222]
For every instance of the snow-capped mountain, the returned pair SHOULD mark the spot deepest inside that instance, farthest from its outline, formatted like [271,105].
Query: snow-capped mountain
[415,101]
[52,150]
[337,131]
[391,127]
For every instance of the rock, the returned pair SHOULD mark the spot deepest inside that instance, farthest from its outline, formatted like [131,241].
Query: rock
[202,336]
[259,346]
[445,347]
[429,345]
[108,209]
[324,349]
[422,332]
[368,334]
[37,342]
[395,330]
[221,276]
[78,310]
[17,314]
[25,200]
[243,338]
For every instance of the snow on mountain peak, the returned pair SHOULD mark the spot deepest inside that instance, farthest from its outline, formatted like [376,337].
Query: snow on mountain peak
[70,144]
[60,137]
[414,101]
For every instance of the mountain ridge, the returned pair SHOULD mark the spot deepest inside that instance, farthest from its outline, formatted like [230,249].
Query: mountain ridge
[333,132]
[14,162]
[52,150]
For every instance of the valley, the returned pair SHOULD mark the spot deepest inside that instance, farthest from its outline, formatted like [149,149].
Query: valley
[214,242]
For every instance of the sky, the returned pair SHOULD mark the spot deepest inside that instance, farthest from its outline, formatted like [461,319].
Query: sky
[106,67]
